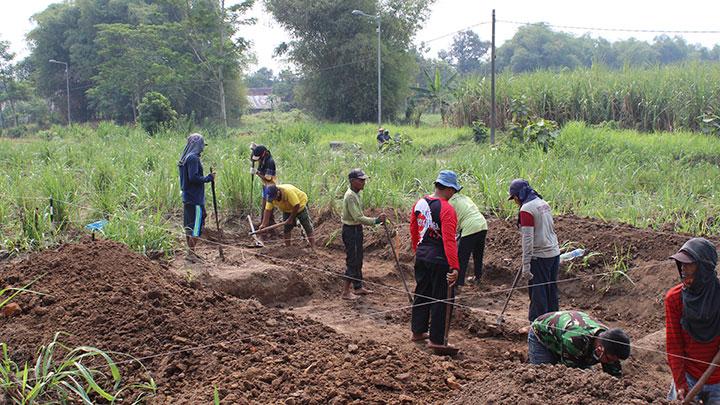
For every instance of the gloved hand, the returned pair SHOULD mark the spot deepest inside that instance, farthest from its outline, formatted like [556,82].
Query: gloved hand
[253,170]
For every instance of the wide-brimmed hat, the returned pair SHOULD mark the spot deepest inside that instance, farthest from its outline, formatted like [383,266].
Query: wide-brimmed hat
[448,178]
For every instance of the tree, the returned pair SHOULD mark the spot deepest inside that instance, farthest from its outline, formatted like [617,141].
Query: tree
[335,51]
[467,51]
[437,94]
[262,77]
[156,112]
[118,50]
[12,90]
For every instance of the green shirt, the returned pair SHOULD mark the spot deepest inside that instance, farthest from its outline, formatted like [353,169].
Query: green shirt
[469,218]
[570,335]
[352,213]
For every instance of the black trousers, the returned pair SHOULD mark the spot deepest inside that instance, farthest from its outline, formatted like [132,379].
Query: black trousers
[472,244]
[352,236]
[431,282]
[544,297]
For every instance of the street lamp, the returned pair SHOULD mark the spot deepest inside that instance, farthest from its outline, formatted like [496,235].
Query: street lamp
[67,86]
[379,77]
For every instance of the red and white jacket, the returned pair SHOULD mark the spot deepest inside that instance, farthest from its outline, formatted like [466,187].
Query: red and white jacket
[433,223]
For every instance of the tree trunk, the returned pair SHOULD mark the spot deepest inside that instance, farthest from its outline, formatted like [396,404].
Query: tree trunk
[134,108]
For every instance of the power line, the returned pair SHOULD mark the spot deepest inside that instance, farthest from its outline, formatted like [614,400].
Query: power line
[571,27]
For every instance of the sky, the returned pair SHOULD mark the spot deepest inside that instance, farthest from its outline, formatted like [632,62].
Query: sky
[450,16]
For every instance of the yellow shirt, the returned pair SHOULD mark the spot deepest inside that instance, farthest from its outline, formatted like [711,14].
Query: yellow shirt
[290,196]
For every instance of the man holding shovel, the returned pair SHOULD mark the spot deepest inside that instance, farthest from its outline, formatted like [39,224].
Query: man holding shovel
[352,234]
[192,184]
[266,171]
[432,229]
[293,203]
[540,249]
[692,322]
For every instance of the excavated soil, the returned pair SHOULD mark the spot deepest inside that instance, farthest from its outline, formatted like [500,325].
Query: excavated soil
[266,325]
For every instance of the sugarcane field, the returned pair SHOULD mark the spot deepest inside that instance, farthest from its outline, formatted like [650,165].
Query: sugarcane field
[359,202]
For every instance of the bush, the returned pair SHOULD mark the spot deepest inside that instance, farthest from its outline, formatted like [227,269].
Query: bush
[156,112]
[480,131]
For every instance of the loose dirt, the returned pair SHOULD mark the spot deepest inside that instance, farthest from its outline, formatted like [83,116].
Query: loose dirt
[267,325]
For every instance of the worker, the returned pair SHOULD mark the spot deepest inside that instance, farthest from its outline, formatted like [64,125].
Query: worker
[432,230]
[692,320]
[293,204]
[574,339]
[472,229]
[540,249]
[352,234]
[382,136]
[266,171]
[192,184]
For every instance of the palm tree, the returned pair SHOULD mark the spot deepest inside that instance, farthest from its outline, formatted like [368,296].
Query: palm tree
[437,94]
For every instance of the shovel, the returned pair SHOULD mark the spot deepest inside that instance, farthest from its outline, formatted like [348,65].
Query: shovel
[217,219]
[258,242]
[500,318]
[446,350]
[397,263]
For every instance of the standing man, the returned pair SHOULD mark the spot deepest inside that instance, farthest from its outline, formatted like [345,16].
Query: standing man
[266,171]
[192,184]
[432,230]
[692,320]
[574,339]
[540,249]
[293,203]
[352,234]
[472,228]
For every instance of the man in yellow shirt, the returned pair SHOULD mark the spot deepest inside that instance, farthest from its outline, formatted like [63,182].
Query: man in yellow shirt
[293,203]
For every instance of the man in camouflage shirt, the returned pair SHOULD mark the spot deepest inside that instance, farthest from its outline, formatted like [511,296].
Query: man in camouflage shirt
[574,339]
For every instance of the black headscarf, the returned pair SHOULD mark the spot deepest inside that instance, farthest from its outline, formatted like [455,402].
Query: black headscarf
[701,300]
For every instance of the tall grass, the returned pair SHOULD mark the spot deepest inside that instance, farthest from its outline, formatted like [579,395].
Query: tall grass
[662,98]
[121,174]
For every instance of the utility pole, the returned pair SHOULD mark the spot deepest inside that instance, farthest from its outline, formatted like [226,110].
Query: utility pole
[67,87]
[221,78]
[379,61]
[492,83]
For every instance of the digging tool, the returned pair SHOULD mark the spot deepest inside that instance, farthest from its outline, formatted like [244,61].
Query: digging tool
[258,242]
[500,318]
[217,219]
[446,350]
[267,228]
[397,263]
[703,379]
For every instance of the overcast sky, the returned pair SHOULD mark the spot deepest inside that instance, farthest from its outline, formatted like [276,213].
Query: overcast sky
[449,16]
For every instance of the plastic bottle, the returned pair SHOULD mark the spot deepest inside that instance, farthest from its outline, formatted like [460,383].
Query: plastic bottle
[571,255]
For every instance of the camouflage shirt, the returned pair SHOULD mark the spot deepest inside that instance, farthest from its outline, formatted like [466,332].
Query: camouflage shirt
[570,335]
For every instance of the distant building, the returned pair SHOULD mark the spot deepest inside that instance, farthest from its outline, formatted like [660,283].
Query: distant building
[259,99]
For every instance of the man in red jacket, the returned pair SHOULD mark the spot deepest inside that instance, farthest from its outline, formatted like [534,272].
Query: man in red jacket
[692,320]
[432,228]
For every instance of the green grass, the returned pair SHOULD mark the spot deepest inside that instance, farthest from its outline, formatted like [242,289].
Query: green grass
[121,174]
[655,99]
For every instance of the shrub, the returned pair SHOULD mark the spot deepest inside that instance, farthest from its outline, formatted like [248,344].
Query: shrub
[156,112]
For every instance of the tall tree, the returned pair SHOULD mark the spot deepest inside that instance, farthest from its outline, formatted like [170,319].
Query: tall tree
[467,51]
[335,52]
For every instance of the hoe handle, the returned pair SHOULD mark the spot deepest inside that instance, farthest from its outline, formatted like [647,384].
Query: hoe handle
[397,263]
[507,300]
[703,379]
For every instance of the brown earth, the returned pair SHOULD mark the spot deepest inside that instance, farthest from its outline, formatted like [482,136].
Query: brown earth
[266,325]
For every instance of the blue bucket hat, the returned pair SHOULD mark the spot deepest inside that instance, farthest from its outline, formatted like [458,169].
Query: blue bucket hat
[448,178]
[272,192]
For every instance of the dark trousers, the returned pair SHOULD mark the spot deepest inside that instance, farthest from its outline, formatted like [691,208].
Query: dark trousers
[544,297]
[472,244]
[431,282]
[352,236]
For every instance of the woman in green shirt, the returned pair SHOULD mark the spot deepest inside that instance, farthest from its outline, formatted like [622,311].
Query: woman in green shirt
[472,227]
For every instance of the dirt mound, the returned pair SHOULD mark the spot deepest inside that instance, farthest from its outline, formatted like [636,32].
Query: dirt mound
[513,383]
[108,297]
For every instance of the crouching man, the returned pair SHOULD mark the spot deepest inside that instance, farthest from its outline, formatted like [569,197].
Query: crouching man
[574,339]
